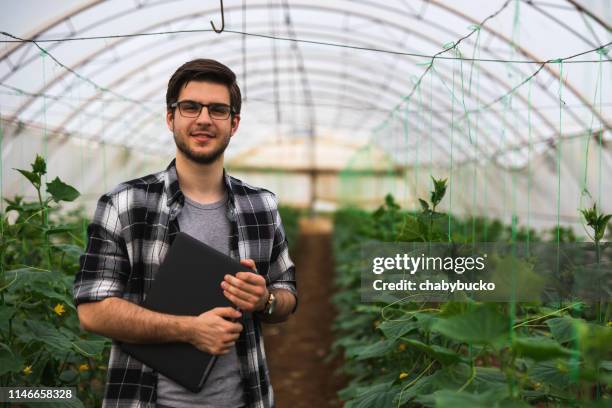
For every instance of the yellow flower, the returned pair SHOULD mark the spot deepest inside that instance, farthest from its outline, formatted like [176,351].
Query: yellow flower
[403,375]
[59,309]
[83,367]
[27,370]
[401,347]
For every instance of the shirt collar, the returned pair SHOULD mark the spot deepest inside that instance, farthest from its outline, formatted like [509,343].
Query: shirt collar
[173,190]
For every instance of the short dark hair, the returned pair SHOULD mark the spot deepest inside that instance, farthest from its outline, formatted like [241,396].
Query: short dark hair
[206,70]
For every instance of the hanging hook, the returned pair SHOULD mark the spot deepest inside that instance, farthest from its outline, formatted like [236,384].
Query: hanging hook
[222,21]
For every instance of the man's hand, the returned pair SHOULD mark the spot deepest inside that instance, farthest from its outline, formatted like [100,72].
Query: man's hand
[213,332]
[246,290]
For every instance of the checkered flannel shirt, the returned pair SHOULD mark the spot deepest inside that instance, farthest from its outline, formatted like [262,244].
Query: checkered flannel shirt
[132,229]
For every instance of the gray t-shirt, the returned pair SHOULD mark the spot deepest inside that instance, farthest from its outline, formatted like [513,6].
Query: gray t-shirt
[223,388]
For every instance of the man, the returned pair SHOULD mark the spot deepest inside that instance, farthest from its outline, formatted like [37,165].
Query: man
[133,228]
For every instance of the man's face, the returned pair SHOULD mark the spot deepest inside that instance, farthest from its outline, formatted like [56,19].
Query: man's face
[202,139]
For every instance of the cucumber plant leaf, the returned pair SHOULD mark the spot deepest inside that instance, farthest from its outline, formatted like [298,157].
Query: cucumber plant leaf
[550,372]
[441,354]
[484,325]
[378,395]
[564,329]
[393,329]
[61,191]
[424,205]
[540,348]
[9,362]
[34,178]
[377,349]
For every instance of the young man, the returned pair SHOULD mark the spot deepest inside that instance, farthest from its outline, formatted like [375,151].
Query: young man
[133,228]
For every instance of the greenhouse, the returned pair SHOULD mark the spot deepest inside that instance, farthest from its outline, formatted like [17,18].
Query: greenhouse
[412,198]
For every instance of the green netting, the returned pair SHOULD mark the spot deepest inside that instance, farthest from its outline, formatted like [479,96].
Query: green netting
[431,374]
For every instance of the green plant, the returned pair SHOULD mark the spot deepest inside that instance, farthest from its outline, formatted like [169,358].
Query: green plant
[435,197]
[41,342]
[598,223]
[410,354]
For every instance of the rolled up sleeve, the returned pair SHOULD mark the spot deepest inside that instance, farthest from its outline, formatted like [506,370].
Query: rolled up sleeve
[282,269]
[104,267]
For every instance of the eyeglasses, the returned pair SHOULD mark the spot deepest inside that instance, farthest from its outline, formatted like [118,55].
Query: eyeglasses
[192,109]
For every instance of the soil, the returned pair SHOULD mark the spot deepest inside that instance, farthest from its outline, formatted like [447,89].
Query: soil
[297,350]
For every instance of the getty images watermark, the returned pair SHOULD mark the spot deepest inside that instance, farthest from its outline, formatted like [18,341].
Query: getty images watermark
[413,264]
[485,271]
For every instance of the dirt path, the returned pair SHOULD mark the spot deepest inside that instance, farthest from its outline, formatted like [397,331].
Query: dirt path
[296,350]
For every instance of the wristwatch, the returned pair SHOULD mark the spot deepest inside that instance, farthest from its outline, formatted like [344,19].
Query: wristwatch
[270,305]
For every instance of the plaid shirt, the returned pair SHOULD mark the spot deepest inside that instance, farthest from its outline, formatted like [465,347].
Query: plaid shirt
[132,229]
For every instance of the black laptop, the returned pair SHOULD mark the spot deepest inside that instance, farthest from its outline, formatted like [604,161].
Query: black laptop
[187,283]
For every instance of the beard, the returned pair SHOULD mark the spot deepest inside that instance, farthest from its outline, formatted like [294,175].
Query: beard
[200,157]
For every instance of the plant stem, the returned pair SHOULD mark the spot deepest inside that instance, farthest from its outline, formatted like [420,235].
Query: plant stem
[600,305]
[42,214]
[546,315]
[411,383]
[45,223]
[431,214]
[469,381]
[62,366]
